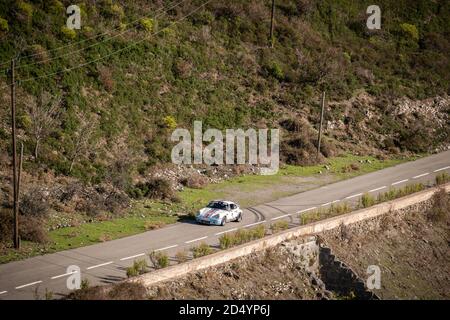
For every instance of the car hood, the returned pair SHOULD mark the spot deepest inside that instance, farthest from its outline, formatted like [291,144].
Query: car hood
[209,212]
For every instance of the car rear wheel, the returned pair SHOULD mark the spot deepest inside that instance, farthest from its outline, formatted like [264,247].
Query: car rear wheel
[239,218]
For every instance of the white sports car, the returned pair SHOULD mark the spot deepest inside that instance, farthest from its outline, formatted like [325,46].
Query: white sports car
[219,212]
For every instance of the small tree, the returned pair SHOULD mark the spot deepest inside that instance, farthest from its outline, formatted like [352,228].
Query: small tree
[44,115]
[81,139]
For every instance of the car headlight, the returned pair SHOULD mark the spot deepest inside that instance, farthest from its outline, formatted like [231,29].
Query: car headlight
[215,217]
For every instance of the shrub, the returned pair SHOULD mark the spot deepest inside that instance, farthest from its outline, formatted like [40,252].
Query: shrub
[410,30]
[181,256]
[170,122]
[196,181]
[440,210]
[155,188]
[182,68]
[367,200]
[6,221]
[279,226]
[119,291]
[57,7]
[39,52]
[84,284]
[201,250]
[117,11]
[336,209]
[275,70]
[442,178]
[152,225]
[241,236]
[147,24]
[158,259]
[139,267]
[68,33]
[258,232]
[32,229]
[25,10]
[226,241]
[127,291]
[4,25]
[106,78]
[34,203]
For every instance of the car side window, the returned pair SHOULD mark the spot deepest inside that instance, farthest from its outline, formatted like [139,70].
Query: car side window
[233,206]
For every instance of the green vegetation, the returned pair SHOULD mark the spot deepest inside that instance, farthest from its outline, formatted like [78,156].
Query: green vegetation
[203,249]
[279,226]
[323,213]
[365,201]
[159,259]
[410,30]
[230,239]
[4,25]
[68,33]
[139,267]
[319,45]
[147,24]
[442,178]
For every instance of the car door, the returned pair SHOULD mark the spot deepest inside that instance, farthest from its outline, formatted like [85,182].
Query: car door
[229,213]
[234,211]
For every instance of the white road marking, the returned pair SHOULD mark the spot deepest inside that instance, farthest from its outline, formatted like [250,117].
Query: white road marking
[3,292]
[99,265]
[421,175]
[377,189]
[254,224]
[398,182]
[131,257]
[230,230]
[354,196]
[301,211]
[28,284]
[325,204]
[280,217]
[63,275]
[444,168]
[335,201]
[196,239]
[165,248]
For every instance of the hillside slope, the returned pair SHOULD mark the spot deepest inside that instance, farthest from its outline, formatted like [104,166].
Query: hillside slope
[96,106]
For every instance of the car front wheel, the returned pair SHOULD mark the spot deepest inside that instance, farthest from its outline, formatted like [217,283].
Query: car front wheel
[224,220]
[239,218]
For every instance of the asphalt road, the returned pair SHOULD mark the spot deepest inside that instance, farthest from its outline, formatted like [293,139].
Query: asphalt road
[107,262]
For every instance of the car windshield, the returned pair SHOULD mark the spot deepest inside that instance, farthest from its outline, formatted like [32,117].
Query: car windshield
[217,205]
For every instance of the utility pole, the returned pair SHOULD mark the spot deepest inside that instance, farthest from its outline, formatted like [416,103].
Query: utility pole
[15,182]
[272,23]
[321,123]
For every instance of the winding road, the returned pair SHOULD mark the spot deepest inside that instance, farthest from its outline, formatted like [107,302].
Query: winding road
[106,262]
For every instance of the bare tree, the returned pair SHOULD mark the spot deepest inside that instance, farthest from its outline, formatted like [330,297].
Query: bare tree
[44,113]
[81,139]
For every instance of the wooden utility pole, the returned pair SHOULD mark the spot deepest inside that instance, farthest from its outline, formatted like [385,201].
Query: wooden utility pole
[15,182]
[321,123]
[272,23]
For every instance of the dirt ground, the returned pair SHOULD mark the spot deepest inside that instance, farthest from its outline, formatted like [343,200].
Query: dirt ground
[410,247]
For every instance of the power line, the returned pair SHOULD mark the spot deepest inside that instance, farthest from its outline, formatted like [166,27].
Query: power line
[94,44]
[96,36]
[111,53]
